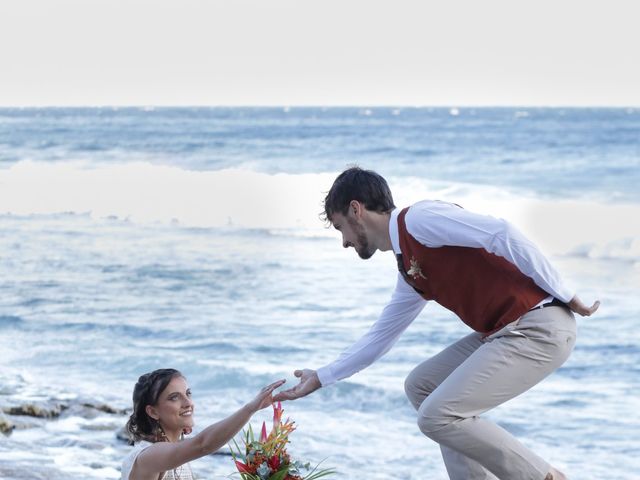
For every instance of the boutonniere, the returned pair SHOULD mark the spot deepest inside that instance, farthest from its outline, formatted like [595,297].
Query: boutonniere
[415,270]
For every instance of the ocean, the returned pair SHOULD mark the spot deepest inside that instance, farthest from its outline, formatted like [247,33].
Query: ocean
[140,238]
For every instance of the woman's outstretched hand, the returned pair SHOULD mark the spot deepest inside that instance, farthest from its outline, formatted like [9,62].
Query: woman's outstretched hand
[265,397]
[309,382]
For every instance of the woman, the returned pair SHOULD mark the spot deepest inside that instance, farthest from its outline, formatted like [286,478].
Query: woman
[162,414]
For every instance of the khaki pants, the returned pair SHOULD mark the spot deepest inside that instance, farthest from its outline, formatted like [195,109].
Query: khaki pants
[473,375]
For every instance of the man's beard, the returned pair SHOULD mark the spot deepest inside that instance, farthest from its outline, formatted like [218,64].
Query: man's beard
[363,250]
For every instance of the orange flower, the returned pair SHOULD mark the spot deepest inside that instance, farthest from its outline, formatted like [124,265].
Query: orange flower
[277,414]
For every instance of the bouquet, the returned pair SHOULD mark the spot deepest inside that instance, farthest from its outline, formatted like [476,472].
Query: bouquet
[267,458]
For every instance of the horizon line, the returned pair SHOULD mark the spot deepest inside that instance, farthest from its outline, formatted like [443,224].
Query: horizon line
[310,105]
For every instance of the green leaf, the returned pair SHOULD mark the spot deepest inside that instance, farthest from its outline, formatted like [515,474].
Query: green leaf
[240,454]
[278,475]
[315,473]
[249,476]
[321,473]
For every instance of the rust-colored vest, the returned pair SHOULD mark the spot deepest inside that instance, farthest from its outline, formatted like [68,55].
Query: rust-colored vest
[486,291]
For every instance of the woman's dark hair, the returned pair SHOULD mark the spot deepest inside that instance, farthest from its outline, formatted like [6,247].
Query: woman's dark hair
[365,186]
[147,392]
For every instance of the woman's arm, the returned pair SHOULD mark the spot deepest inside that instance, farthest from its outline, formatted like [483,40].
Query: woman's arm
[164,456]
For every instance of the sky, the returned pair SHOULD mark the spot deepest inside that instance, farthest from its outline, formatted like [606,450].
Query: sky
[328,52]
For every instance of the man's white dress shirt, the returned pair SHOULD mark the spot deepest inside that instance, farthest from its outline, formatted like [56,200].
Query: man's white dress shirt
[437,224]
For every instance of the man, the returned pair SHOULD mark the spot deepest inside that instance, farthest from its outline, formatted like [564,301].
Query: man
[496,281]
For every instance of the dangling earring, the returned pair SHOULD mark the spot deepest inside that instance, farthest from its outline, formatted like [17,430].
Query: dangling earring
[160,435]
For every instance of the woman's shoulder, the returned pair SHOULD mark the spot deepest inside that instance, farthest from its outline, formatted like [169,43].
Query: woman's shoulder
[183,472]
[127,463]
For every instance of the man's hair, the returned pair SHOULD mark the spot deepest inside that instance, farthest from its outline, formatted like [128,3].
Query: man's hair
[365,186]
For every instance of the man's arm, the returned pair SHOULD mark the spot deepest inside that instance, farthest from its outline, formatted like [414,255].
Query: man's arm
[402,309]
[581,309]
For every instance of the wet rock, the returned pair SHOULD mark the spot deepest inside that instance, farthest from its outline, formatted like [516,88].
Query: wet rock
[123,435]
[103,407]
[224,451]
[54,410]
[91,411]
[6,425]
[33,410]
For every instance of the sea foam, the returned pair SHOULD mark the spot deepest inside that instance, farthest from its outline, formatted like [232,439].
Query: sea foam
[290,204]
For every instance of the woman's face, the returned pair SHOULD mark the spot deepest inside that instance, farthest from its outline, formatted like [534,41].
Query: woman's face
[174,409]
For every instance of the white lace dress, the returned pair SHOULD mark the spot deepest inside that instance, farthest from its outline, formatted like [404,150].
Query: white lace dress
[183,472]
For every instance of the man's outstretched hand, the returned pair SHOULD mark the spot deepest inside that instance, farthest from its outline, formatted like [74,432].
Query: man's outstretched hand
[309,383]
[580,308]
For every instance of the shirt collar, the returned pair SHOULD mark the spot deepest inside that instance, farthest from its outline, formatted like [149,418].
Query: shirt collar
[393,231]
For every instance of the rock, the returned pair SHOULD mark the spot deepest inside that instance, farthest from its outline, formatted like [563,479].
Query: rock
[224,451]
[103,407]
[124,436]
[54,410]
[33,410]
[6,426]
[90,410]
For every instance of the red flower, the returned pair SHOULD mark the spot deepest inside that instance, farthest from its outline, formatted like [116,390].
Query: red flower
[242,468]
[274,462]
[263,435]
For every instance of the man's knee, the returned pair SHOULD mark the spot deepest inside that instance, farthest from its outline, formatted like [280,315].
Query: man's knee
[409,387]
[417,389]
[432,418]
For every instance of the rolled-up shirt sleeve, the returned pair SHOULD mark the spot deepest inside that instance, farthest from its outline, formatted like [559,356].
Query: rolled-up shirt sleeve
[397,315]
[436,224]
